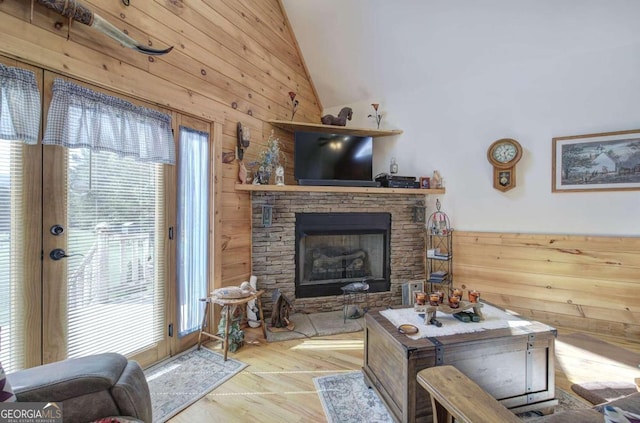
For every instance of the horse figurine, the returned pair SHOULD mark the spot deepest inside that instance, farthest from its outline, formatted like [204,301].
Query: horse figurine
[345,114]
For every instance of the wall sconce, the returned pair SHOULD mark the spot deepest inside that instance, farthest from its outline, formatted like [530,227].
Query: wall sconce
[419,212]
[244,136]
[267,215]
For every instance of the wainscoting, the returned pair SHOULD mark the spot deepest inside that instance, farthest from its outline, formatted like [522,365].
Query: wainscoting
[582,282]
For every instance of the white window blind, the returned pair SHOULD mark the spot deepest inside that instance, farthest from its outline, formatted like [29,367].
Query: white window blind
[19,125]
[116,222]
[193,227]
[12,209]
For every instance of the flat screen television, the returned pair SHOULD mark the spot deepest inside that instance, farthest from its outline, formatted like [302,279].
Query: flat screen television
[333,159]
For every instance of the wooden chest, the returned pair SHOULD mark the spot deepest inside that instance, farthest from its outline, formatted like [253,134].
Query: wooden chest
[514,365]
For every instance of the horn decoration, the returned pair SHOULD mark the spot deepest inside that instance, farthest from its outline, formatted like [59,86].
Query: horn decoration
[78,12]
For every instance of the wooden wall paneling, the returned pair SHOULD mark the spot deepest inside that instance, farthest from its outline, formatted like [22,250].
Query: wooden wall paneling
[193,83]
[583,282]
[295,42]
[236,273]
[541,286]
[252,26]
[234,41]
[218,225]
[58,26]
[235,234]
[515,259]
[270,20]
[202,48]
[35,45]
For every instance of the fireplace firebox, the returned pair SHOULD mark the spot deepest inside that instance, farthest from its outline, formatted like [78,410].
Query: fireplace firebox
[335,249]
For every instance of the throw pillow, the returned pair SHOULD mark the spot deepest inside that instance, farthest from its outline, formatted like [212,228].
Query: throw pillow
[618,415]
[6,393]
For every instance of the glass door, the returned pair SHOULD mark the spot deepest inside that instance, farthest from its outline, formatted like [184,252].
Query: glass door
[20,179]
[105,254]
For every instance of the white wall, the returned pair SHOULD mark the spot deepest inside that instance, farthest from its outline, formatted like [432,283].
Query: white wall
[456,76]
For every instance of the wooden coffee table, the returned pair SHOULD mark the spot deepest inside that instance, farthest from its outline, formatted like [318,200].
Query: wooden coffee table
[514,365]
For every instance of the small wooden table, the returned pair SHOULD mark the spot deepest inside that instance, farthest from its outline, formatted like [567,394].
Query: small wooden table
[231,304]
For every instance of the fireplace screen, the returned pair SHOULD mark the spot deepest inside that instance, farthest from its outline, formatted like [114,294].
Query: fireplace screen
[335,249]
[334,258]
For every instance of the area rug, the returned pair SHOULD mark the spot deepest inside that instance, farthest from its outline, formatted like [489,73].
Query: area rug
[316,324]
[183,379]
[346,399]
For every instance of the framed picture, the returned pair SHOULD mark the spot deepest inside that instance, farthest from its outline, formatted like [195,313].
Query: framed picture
[425,182]
[608,161]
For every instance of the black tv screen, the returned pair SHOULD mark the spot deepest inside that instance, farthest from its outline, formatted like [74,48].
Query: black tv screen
[321,156]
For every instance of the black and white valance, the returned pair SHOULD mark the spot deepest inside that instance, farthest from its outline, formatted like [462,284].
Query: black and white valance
[19,105]
[80,117]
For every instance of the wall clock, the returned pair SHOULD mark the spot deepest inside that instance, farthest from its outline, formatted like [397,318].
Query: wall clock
[503,155]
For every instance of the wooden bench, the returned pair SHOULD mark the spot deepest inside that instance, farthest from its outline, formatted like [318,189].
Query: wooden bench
[455,396]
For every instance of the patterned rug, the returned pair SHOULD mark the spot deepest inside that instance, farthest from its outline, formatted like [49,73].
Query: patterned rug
[183,379]
[346,399]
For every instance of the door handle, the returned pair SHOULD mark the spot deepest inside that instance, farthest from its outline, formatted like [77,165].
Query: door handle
[57,254]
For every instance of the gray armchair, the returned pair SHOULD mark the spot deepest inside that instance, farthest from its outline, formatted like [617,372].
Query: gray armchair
[89,388]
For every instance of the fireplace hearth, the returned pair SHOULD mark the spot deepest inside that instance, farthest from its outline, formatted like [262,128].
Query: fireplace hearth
[335,249]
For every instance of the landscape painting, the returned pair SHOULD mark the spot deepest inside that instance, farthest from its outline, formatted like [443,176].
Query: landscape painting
[597,162]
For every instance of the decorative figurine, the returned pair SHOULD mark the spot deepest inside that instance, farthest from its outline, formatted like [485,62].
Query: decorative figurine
[279,175]
[345,114]
[436,180]
[393,166]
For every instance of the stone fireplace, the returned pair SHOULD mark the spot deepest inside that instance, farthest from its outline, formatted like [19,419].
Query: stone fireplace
[274,248]
[335,249]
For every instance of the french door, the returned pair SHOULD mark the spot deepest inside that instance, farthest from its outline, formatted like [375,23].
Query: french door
[105,266]
[87,257]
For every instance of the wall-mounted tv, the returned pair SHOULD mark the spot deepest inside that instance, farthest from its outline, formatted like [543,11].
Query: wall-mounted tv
[333,159]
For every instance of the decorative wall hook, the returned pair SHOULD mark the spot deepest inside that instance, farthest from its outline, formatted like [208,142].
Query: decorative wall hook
[244,137]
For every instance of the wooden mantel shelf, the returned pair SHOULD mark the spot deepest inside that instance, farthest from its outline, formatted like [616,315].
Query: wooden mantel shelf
[355,190]
[331,129]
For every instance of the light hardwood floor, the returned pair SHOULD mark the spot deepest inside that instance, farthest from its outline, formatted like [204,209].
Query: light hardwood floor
[277,386]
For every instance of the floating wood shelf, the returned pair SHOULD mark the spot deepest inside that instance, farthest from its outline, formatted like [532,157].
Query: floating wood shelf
[355,190]
[331,129]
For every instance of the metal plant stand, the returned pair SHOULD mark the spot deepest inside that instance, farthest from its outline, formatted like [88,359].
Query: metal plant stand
[353,294]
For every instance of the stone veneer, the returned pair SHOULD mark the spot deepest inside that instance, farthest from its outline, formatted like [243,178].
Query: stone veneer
[273,248]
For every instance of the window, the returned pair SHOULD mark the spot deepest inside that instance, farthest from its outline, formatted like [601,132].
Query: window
[193,227]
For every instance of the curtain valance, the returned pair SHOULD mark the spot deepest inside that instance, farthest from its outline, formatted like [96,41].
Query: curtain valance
[19,105]
[80,117]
